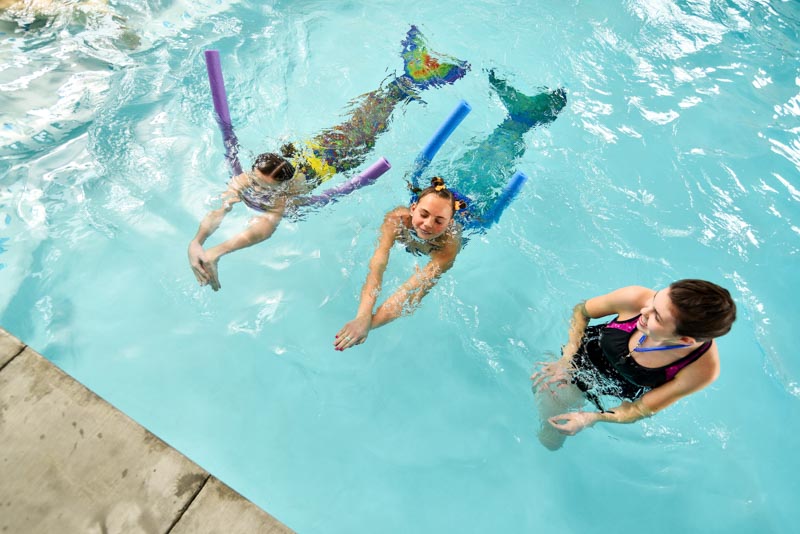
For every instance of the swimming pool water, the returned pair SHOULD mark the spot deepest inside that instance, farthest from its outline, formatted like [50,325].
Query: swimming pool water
[677,156]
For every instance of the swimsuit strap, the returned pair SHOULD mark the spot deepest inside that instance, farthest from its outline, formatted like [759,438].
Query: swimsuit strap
[692,357]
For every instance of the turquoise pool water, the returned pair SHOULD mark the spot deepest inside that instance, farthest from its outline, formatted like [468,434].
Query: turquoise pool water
[677,156]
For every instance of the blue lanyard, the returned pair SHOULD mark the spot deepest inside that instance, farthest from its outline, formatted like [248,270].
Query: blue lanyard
[653,349]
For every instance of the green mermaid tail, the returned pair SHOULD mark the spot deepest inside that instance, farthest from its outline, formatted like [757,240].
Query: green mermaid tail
[527,110]
[481,171]
[345,146]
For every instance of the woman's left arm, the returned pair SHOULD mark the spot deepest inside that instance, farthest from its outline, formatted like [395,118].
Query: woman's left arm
[692,378]
[410,294]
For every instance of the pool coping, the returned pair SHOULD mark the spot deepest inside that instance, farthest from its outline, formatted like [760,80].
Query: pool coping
[71,462]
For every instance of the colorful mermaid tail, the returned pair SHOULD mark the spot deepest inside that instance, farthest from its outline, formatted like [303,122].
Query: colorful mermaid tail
[423,68]
[344,147]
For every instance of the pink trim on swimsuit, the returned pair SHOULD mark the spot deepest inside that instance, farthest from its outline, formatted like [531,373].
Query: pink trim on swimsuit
[693,356]
[628,325]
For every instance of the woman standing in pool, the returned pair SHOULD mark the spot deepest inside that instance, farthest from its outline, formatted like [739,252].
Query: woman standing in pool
[275,179]
[659,348]
[427,228]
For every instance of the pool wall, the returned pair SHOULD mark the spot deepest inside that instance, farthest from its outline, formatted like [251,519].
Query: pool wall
[71,462]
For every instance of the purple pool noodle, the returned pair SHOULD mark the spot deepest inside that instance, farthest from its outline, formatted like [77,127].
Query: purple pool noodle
[369,175]
[223,115]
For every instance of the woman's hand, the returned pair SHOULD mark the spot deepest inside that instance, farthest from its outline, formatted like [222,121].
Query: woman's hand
[353,333]
[573,422]
[553,374]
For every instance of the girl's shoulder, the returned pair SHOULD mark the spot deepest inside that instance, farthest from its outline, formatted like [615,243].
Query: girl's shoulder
[399,210]
[238,183]
[451,244]
[397,215]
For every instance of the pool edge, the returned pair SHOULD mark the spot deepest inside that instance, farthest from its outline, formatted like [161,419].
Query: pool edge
[72,462]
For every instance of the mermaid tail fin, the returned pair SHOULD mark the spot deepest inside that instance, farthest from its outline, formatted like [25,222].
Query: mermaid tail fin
[529,110]
[424,68]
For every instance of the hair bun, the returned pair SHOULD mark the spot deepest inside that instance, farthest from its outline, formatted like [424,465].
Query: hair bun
[437,181]
[288,150]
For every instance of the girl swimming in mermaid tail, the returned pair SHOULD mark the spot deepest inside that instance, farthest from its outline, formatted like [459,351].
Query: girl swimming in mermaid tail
[277,178]
[431,227]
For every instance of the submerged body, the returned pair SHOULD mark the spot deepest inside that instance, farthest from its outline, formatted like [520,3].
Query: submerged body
[343,147]
[426,228]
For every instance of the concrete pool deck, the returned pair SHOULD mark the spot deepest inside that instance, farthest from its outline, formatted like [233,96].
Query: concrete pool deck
[71,462]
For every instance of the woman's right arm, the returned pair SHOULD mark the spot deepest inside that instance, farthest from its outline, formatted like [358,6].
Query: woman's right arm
[624,301]
[559,372]
[577,327]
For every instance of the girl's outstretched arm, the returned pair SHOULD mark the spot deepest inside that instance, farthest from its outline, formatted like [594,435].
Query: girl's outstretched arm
[409,295]
[209,224]
[259,229]
[355,332]
[204,262]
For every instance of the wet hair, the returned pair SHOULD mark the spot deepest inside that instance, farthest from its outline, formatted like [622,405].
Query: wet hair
[273,164]
[703,310]
[438,188]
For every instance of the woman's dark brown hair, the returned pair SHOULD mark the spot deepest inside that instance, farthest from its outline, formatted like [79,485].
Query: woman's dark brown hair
[703,310]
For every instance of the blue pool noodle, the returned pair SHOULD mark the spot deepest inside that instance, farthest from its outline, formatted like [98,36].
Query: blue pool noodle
[223,114]
[492,215]
[425,156]
[428,152]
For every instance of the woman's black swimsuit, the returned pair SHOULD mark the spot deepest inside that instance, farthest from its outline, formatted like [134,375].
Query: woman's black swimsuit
[603,364]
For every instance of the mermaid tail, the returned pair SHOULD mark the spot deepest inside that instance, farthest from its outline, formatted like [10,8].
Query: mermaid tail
[482,171]
[477,173]
[344,147]
[426,69]
[526,110]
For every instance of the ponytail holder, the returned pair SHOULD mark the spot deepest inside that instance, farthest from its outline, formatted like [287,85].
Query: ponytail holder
[459,205]
[437,182]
